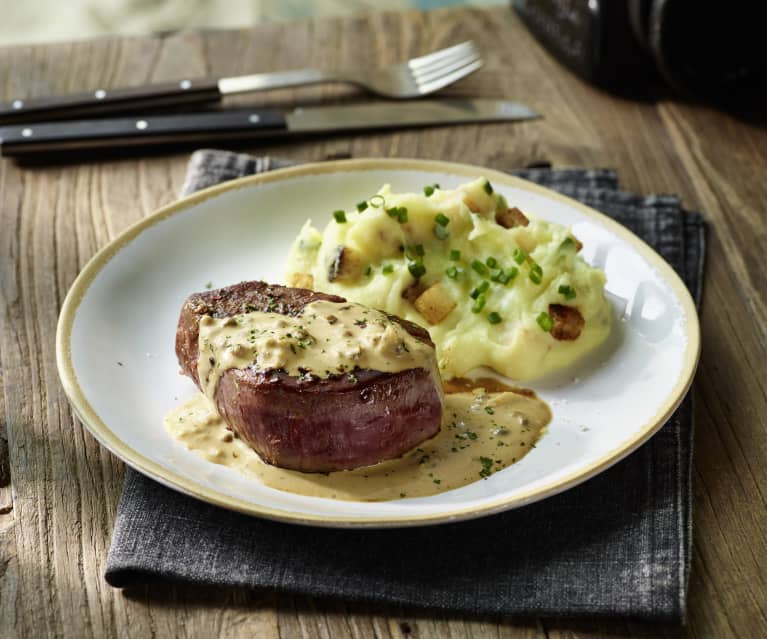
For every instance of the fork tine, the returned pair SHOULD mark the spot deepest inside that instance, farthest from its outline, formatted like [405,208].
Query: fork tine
[436,56]
[435,72]
[469,53]
[443,81]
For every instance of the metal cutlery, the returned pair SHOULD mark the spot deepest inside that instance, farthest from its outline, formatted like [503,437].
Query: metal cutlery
[31,139]
[415,78]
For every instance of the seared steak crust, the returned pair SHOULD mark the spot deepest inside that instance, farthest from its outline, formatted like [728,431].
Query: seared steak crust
[315,425]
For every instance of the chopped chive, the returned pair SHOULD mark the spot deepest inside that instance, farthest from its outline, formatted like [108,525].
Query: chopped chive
[494,318]
[568,242]
[474,293]
[519,255]
[428,191]
[387,268]
[377,201]
[442,219]
[419,250]
[361,206]
[479,267]
[402,214]
[441,233]
[340,216]
[567,291]
[455,255]
[508,275]
[489,409]
[536,273]
[417,269]
[488,187]
[502,202]
[491,262]
[478,305]
[369,270]
[483,286]
[496,277]
[452,272]
[545,322]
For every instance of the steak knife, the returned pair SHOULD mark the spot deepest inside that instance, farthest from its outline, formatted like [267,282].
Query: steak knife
[80,135]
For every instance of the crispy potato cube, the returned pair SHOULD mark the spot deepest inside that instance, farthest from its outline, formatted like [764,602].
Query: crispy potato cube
[511,218]
[301,280]
[347,265]
[434,303]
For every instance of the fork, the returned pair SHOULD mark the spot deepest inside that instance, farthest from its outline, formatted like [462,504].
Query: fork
[415,78]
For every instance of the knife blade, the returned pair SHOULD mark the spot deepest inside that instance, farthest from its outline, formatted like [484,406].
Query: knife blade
[241,124]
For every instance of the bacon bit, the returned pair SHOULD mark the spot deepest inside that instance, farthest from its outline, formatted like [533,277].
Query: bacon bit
[578,244]
[412,292]
[568,322]
[511,218]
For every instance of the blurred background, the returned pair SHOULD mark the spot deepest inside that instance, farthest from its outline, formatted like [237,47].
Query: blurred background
[30,21]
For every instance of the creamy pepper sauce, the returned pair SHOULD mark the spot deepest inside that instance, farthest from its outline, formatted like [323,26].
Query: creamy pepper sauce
[328,338]
[482,432]
[486,426]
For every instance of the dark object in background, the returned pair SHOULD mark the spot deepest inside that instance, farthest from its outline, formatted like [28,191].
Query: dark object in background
[709,49]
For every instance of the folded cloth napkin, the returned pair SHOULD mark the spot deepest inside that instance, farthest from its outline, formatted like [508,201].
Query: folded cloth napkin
[618,544]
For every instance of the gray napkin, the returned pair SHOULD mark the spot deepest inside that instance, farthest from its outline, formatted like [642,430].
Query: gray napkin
[617,545]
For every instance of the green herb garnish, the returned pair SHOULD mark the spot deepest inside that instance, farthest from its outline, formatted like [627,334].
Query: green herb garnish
[544,321]
[377,201]
[455,255]
[452,272]
[487,467]
[442,219]
[478,305]
[387,268]
[479,267]
[441,233]
[488,187]
[536,273]
[519,255]
[489,410]
[491,262]
[339,216]
[567,291]
[494,318]
[417,269]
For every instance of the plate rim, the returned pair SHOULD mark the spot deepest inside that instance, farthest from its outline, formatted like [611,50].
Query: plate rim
[133,458]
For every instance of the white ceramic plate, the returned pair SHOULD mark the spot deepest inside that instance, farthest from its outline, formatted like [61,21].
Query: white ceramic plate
[115,342]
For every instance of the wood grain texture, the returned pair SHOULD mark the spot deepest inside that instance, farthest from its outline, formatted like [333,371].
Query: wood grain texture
[59,489]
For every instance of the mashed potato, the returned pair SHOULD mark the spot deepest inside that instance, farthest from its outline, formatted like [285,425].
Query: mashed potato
[493,287]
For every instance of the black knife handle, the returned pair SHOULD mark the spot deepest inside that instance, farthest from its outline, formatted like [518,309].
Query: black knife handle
[81,135]
[109,101]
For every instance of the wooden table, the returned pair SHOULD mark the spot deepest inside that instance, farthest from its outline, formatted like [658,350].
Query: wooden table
[59,488]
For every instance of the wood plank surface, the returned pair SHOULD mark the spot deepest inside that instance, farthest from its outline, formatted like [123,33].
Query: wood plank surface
[59,488]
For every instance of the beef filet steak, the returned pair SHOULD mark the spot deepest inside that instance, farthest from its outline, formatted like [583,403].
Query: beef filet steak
[337,422]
